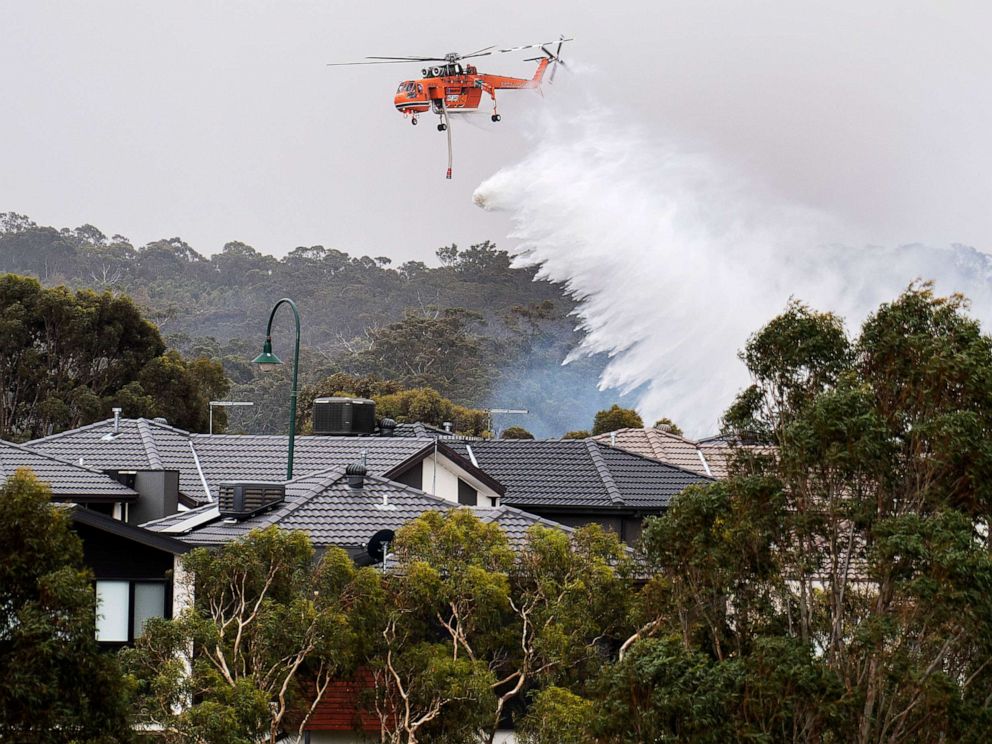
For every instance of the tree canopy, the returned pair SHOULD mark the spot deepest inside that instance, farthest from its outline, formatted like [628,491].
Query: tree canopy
[57,685]
[836,586]
[450,327]
[615,418]
[69,357]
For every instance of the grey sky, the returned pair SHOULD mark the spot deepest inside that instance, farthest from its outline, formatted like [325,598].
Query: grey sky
[220,121]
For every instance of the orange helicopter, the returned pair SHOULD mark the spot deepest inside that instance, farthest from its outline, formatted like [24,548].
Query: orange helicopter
[451,87]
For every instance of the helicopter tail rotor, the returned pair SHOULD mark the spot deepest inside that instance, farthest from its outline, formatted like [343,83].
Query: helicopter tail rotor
[553,57]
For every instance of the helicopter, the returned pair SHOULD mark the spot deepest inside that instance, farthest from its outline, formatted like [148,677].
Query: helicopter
[452,87]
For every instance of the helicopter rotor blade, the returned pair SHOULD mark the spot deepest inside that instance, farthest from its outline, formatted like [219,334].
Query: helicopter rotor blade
[477,52]
[377,62]
[532,46]
[412,59]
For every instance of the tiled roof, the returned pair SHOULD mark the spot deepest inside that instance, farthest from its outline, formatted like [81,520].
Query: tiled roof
[333,513]
[232,457]
[577,473]
[710,456]
[140,444]
[68,482]
[144,444]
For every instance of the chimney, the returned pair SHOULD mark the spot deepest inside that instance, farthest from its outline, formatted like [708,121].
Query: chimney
[356,473]
[613,439]
[117,420]
[387,427]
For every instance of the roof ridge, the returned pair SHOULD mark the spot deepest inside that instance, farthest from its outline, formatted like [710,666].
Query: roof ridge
[604,472]
[148,442]
[309,494]
[654,443]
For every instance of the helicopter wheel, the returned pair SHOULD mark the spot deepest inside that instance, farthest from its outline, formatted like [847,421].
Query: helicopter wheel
[441,127]
[496,117]
[414,121]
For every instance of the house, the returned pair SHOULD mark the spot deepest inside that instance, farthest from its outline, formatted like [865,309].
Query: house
[572,482]
[338,508]
[576,481]
[138,574]
[202,461]
[134,569]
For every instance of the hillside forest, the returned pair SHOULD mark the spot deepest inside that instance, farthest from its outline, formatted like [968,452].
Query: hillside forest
[473,328]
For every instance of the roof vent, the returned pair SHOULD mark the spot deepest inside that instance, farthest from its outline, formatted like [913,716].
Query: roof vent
[356,473]
[387,427]
[447,426]
[343,417]
[161,420]
[116,432]
[242,500]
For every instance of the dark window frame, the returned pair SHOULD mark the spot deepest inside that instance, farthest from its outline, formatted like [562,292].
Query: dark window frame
[167,607]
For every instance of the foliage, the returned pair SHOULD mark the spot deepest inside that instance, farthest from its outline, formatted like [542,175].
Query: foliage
[272,625]
[557,716]
[434,349]
[355,312]
[837,587]
[513,620]
[69,357]
[577,434]
[51,663]
[668,425]
[393,400]
[615,418]
[515,432]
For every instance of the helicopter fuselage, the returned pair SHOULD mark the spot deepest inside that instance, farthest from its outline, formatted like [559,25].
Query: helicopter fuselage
[459,91]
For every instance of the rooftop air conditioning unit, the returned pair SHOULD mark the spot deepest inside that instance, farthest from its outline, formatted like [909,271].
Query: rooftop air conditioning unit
[242,500]
[344,417]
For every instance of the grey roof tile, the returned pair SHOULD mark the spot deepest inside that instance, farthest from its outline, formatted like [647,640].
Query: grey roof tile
[232,457]
[68,481]
[333,513]
[578,473]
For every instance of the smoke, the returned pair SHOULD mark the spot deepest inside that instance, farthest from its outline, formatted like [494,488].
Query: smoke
[676,260]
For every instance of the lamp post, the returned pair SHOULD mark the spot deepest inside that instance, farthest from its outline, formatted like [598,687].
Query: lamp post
[267,361]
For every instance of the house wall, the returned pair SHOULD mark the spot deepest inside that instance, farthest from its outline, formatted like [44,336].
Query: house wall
[452,482]
[445,485]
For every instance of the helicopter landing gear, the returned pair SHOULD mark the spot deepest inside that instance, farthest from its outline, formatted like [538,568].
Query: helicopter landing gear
[413,120]
[495,117]
[441,127]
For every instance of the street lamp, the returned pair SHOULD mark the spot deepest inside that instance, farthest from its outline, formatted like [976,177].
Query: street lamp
[267,362]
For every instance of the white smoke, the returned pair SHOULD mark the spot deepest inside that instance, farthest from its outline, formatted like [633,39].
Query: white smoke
[676,261]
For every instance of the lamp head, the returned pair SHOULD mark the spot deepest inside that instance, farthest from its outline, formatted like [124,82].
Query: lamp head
[267,361]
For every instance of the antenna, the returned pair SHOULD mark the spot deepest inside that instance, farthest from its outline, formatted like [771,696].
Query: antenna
[510,411]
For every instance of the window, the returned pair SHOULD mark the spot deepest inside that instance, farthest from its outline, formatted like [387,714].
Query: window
[123,608]
[467,496]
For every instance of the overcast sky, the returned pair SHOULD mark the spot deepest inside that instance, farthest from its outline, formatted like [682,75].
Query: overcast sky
[218,121]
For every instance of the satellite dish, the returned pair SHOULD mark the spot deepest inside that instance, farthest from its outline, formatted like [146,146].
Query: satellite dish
[377,544]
